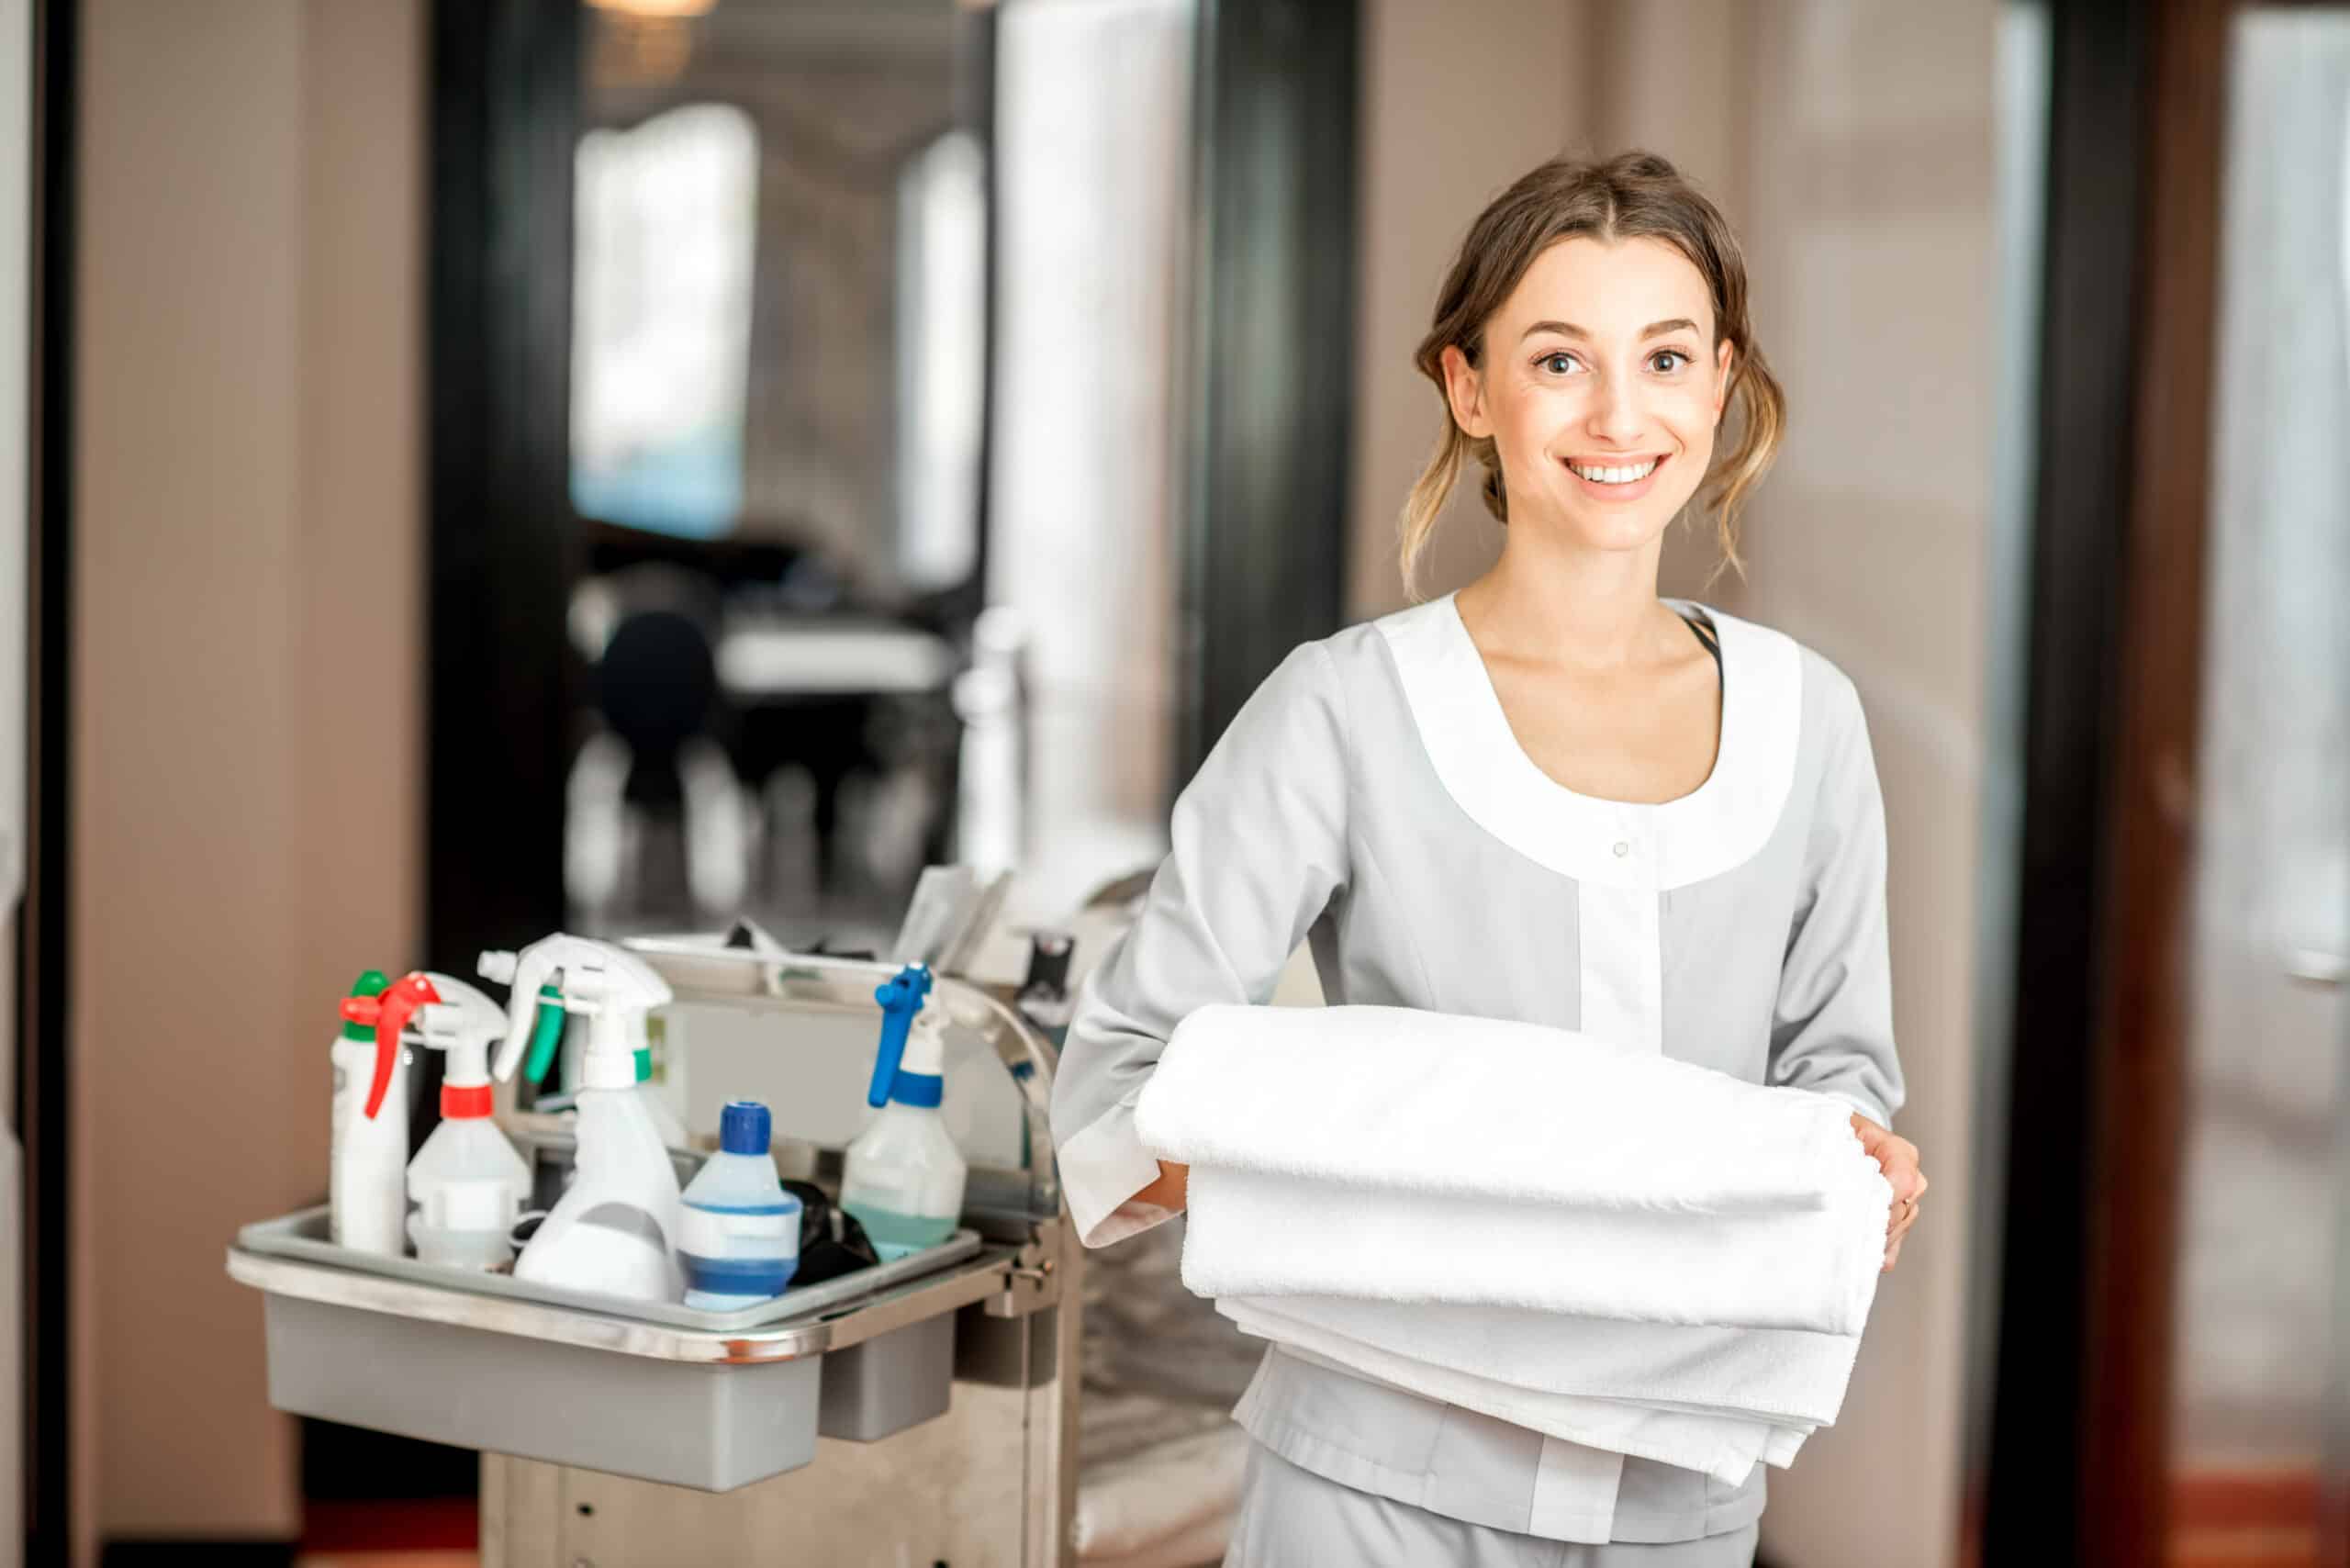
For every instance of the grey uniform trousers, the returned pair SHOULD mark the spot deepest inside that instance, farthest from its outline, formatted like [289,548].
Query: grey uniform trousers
[1291,1518]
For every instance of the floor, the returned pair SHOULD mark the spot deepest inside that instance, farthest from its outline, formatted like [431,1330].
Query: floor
[423,1533]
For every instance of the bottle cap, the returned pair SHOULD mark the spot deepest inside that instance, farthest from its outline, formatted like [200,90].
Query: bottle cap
[370,982]
[742,1127]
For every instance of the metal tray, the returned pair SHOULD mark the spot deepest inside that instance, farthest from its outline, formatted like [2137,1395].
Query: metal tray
[303,1235]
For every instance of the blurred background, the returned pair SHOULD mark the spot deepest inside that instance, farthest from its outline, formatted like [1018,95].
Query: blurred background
[475,467]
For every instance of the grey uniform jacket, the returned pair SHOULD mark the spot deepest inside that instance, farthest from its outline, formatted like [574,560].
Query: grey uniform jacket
[1370,798]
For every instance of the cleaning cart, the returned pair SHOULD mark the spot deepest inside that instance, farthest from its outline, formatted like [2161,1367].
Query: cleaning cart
[921,1409]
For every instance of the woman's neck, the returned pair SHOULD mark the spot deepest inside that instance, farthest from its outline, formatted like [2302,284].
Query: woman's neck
[1549,600]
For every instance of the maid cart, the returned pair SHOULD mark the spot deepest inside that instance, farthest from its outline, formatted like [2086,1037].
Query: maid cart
[921,1409]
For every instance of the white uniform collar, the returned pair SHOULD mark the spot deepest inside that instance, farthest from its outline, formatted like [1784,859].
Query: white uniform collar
[1620,843]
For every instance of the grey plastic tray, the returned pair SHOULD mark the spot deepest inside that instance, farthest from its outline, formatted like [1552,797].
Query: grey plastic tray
[303,1235]
[715,1427]
[701,1399]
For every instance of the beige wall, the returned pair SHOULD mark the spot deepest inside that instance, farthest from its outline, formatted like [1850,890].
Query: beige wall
[248,546]
[1852,146]
[1433,152]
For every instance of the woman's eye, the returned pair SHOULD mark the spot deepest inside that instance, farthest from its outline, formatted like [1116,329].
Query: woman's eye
[1675,355]
[1556,364]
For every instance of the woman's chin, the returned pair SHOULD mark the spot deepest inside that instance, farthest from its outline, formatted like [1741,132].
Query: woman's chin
[1614,529]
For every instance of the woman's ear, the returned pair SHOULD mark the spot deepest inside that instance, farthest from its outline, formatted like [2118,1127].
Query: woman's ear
[1464,389]
[1722,357]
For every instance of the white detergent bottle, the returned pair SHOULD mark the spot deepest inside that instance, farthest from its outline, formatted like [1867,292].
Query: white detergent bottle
[467,1183]
[903,1177]
[615,1229]
[739,1237]
[367,1156]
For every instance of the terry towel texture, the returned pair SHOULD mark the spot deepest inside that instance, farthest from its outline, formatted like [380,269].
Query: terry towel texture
[1402,1155]
[1782,1375]
[1603,1244]
[1398,1098]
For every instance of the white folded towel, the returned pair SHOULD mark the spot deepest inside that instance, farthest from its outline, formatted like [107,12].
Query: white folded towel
[1606,1246]
[1251,1234]
[1397,1097]
[1410,1156]
[1726,1447]
[1779,1376]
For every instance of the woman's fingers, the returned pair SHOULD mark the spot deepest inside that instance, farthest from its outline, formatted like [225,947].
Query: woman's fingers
[1897,1158]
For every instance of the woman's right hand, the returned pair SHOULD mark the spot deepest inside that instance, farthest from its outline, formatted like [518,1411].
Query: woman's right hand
[1172,1190]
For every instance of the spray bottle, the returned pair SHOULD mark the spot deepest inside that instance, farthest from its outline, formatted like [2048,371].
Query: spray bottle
[903,1177]
[368,1156]
[615,1229]
[546,1040]
[467,1183]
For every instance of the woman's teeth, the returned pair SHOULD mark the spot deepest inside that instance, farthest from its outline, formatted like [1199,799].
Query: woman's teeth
[1600,474]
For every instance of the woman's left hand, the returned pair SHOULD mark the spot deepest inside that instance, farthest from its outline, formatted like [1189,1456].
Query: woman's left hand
[1897,1158]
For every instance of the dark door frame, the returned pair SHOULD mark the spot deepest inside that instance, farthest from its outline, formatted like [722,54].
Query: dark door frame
[43,1065]
[2078,1458]
[503,547]
[1264,541]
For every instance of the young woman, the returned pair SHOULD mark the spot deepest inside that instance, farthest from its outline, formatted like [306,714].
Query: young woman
[1551,796]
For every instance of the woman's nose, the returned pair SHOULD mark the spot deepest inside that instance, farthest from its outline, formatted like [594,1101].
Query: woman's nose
[1616,416]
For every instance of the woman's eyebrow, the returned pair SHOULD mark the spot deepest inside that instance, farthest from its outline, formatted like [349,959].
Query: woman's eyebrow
[1569,329]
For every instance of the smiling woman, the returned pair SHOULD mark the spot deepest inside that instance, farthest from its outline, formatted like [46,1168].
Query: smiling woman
[1551,798]
[1593,374]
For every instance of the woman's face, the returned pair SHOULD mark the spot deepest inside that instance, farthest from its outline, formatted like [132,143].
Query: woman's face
[1601,386]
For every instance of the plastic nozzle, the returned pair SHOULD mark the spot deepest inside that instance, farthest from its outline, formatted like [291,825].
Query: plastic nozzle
[546,1034]
[389,1013]
[604,983]
[900,997]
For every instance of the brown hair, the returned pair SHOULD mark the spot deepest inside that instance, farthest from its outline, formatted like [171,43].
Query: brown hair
[1632,195]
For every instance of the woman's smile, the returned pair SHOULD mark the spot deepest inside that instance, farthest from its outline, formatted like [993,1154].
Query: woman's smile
[1618,479]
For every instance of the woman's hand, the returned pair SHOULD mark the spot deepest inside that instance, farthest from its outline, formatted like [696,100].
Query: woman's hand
[1897,1158]
[1172,1190]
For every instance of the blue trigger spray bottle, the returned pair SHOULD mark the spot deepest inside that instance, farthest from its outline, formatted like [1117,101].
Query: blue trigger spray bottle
[903,1177]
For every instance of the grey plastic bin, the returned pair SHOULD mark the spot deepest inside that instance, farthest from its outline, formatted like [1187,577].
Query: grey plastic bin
[712,1427]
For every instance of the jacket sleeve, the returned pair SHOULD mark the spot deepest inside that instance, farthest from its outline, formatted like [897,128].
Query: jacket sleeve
[1832,1029]
[1258,850]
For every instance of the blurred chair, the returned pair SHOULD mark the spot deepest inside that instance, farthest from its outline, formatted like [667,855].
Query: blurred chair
[658,828]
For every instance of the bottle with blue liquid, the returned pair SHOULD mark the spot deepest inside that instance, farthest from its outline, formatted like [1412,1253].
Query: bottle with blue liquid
[738,1237]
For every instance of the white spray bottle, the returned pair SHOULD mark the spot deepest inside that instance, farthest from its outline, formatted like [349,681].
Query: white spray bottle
[903,1177]
[615,1229]
[467,1183]
[368,1150]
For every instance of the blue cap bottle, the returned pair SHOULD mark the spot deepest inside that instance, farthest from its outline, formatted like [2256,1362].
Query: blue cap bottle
[738,1236]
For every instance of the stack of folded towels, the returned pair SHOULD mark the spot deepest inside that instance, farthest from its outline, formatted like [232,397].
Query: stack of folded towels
[1605,1245]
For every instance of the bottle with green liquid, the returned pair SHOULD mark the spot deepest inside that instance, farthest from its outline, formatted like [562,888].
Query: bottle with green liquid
[903,1177]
